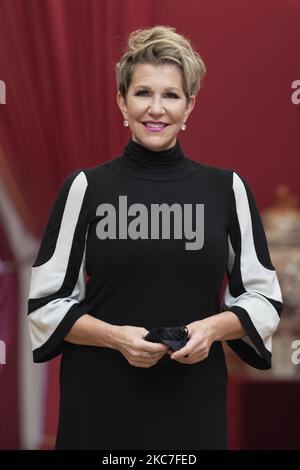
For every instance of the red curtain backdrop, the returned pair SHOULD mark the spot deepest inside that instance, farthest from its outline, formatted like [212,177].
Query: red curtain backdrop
[57,60]
[9,304]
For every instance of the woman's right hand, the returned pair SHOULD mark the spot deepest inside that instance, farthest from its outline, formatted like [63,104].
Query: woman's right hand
[129,340]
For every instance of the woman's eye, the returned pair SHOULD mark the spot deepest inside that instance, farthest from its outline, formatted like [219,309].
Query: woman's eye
[139,93]
[172,95]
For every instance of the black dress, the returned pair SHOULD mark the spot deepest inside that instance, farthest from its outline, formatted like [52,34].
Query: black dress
[145,240]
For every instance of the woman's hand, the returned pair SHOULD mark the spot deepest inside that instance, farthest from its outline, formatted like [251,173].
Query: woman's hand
[219,327]
[202,335]
[129,341]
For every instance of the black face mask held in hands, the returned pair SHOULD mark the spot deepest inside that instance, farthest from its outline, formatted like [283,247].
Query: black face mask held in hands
[175,336]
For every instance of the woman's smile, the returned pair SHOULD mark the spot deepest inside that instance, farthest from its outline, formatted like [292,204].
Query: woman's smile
[155,126]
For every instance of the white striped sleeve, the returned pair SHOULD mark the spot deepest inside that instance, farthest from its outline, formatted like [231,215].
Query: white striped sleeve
[252,292]
[57,287]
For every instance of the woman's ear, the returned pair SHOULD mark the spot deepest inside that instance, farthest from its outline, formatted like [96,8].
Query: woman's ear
[122,104]
[190,106]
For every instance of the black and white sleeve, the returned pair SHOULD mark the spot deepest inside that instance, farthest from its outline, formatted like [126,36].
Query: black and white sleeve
[252,292]
[57,287]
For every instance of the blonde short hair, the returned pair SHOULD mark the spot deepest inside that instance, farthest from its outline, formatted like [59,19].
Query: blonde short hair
[161,45]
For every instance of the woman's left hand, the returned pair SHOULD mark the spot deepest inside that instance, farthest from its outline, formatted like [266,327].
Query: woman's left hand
[201,337]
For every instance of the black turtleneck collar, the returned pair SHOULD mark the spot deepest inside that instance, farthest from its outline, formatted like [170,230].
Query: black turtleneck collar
[149,164]
[142,157]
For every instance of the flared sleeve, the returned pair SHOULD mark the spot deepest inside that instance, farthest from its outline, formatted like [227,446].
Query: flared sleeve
[252,292]
[57,286]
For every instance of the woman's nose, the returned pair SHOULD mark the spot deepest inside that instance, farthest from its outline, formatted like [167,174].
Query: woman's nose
[156,106]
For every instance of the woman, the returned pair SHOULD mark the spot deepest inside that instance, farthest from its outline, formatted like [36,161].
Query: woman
[155,232]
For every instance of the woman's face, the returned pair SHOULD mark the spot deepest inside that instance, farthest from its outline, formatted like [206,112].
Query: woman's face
[156,106]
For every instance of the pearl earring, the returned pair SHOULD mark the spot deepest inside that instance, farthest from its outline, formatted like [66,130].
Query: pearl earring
[126,123]
[183,127]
